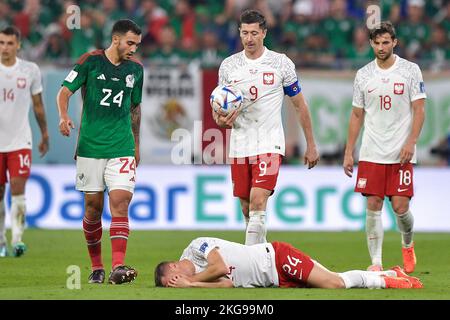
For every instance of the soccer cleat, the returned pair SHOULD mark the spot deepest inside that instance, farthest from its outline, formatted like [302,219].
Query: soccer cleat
[122,274]
[397,283]
[97,276]
[416,283]
[409,259]
[375,267]
[3,251]
[19,249]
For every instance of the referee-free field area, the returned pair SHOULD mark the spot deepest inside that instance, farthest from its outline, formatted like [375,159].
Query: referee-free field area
[48,270]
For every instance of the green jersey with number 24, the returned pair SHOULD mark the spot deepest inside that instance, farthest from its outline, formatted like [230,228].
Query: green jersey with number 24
[108,93]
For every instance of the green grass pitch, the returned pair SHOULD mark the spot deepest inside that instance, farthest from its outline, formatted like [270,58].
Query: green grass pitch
[42,272]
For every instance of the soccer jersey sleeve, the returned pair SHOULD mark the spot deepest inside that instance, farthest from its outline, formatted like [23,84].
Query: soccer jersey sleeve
[290,80]
[223,76]
[417,86]
[358,93]
[36,81]
[136,94]
[77,77]
[202,247]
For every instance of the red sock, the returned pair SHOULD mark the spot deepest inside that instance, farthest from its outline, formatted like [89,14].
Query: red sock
[93,234]
[119,236]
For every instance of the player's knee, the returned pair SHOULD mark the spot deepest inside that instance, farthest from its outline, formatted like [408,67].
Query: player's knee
[400,207]
[120,206]
[17,186]
[334,282]
[258,203]
[374,203]
[93,208]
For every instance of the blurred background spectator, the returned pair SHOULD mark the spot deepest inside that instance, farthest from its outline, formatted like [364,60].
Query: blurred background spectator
[315,34]
[318,35]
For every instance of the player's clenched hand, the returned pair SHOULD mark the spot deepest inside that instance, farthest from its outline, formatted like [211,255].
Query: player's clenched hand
[225,120]
[348,165]
[179,281]
[311,157]
[407,152]
[65,125]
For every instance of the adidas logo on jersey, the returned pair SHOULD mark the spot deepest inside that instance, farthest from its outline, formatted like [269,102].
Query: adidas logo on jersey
[101,77]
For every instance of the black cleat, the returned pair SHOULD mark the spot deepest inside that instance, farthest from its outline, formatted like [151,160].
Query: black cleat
[122,274]
[97,276]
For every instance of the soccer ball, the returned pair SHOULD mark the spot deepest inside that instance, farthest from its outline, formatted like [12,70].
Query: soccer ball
[226,98]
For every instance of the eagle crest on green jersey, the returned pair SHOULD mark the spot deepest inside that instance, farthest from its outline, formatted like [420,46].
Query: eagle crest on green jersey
[108,93]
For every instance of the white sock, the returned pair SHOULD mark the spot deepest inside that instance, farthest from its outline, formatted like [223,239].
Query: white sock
[2,223]
[247,219]
[365,279]
[405,223]
[256,228]
[374,234]
[18,208]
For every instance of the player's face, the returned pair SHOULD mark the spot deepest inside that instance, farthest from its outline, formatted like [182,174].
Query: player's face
[252,37]
[172,270]
[383,46]
[128,44]
[9,45]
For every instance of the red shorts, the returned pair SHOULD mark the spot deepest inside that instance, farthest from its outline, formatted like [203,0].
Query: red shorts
[259,171]
[382,180]
[17,163]
[293,266]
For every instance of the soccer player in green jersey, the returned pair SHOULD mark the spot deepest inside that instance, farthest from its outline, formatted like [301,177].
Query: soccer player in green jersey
[108,143]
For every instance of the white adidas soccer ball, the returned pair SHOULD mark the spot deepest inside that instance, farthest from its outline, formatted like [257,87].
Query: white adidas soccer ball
[226,98]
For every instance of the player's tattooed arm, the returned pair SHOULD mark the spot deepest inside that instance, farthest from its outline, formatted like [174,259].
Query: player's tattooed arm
[135,126]
[39,112]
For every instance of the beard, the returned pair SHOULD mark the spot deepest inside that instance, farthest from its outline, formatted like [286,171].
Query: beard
[123,54]
[384,57]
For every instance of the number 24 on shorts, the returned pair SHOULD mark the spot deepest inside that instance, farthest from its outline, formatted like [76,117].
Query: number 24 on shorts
[127,166]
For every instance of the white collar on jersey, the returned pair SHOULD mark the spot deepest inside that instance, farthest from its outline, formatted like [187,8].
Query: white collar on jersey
[397,58]
[257,59]
[10,67]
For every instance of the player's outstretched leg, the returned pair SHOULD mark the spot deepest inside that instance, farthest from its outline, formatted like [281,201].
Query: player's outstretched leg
[416,283]
[396,283]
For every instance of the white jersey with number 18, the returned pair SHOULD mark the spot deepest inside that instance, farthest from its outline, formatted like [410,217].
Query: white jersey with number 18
[386,96]
[17,84]
[263,82]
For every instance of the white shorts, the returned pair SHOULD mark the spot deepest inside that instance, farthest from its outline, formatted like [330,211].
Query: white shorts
[93,175]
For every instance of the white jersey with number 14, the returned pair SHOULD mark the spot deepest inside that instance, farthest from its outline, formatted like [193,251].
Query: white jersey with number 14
[386,96]
[17,84]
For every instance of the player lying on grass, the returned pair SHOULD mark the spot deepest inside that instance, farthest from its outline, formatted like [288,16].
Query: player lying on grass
[217,263]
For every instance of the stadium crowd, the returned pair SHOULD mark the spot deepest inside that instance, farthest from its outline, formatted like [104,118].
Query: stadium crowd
[319,34]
